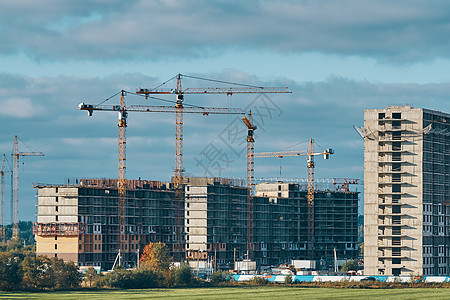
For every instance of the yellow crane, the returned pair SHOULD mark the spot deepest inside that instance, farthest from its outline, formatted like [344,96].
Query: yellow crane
[123,110]
[310,196]
[2,201]
[250,181]
[16,154]
[180,109]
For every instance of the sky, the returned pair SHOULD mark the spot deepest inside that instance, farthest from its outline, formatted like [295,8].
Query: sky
[337,57]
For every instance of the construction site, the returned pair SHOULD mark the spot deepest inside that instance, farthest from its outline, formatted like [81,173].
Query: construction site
[210,221]
[79,222]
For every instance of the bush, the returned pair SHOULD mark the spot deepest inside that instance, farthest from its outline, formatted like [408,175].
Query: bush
[126,279]
[288,279]
[257,280]
[183,275]
[10,272]
[219,277]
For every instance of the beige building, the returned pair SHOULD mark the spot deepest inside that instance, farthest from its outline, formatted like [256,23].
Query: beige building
[406,186]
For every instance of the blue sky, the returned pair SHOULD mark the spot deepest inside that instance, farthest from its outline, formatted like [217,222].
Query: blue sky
[338,58]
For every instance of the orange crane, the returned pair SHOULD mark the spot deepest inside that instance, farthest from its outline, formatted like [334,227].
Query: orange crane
[310,196]
[123,110]
[16,155]
[2,201]
[179,92]
[180,109]
[250,181]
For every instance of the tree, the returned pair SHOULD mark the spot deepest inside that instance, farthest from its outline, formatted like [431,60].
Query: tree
[90,276]
[10,272]
[349,265]
[155,256]
[66,274]
[43,272]
[38,272]
[183,275]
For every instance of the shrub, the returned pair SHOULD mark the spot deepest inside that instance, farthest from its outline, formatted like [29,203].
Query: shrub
[219,277]
[10,272]
[288,279]
[183,275]
[126,279]
[257,280]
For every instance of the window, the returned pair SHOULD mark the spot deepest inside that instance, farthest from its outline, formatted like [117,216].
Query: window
[56,208]
[396,230]
[396,188]
[396,156]
[396,115]
[396,209]
[396,167]
[57,219]
[396,271]
[56,237]
[381,115]
[396,220]
[396,198]
[56,246]
[397,135]
[396,146]
[396,261]
[396,177]
[396,241]
[396,251]
[396,124]
[56,198]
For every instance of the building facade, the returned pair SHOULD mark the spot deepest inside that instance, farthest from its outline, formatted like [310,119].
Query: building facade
[406,191]
[79,222]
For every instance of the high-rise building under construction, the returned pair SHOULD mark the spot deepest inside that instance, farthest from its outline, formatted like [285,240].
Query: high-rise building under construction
[78,221]
[406,191]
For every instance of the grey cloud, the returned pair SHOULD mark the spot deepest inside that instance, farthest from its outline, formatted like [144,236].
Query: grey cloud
[401,31]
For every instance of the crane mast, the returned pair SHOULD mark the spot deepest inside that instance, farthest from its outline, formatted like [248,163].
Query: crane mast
[16,154]
[122,192]
[250,182]
[2,202]
[310,194]
[310,197]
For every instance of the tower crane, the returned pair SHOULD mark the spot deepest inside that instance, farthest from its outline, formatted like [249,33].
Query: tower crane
[250,181]
[2,201]
[180,109]
[16,154]
[310,196]
[123,110]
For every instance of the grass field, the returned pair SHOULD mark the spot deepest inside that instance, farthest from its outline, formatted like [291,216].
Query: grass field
[264,292]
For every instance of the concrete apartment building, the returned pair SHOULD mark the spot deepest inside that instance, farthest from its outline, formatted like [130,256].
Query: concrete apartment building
[216,223]
[335,223]
[406,191]
[79,222]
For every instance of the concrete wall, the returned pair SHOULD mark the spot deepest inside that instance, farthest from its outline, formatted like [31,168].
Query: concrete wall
[378,182]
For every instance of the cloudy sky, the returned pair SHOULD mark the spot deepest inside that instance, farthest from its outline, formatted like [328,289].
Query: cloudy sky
[337,57]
